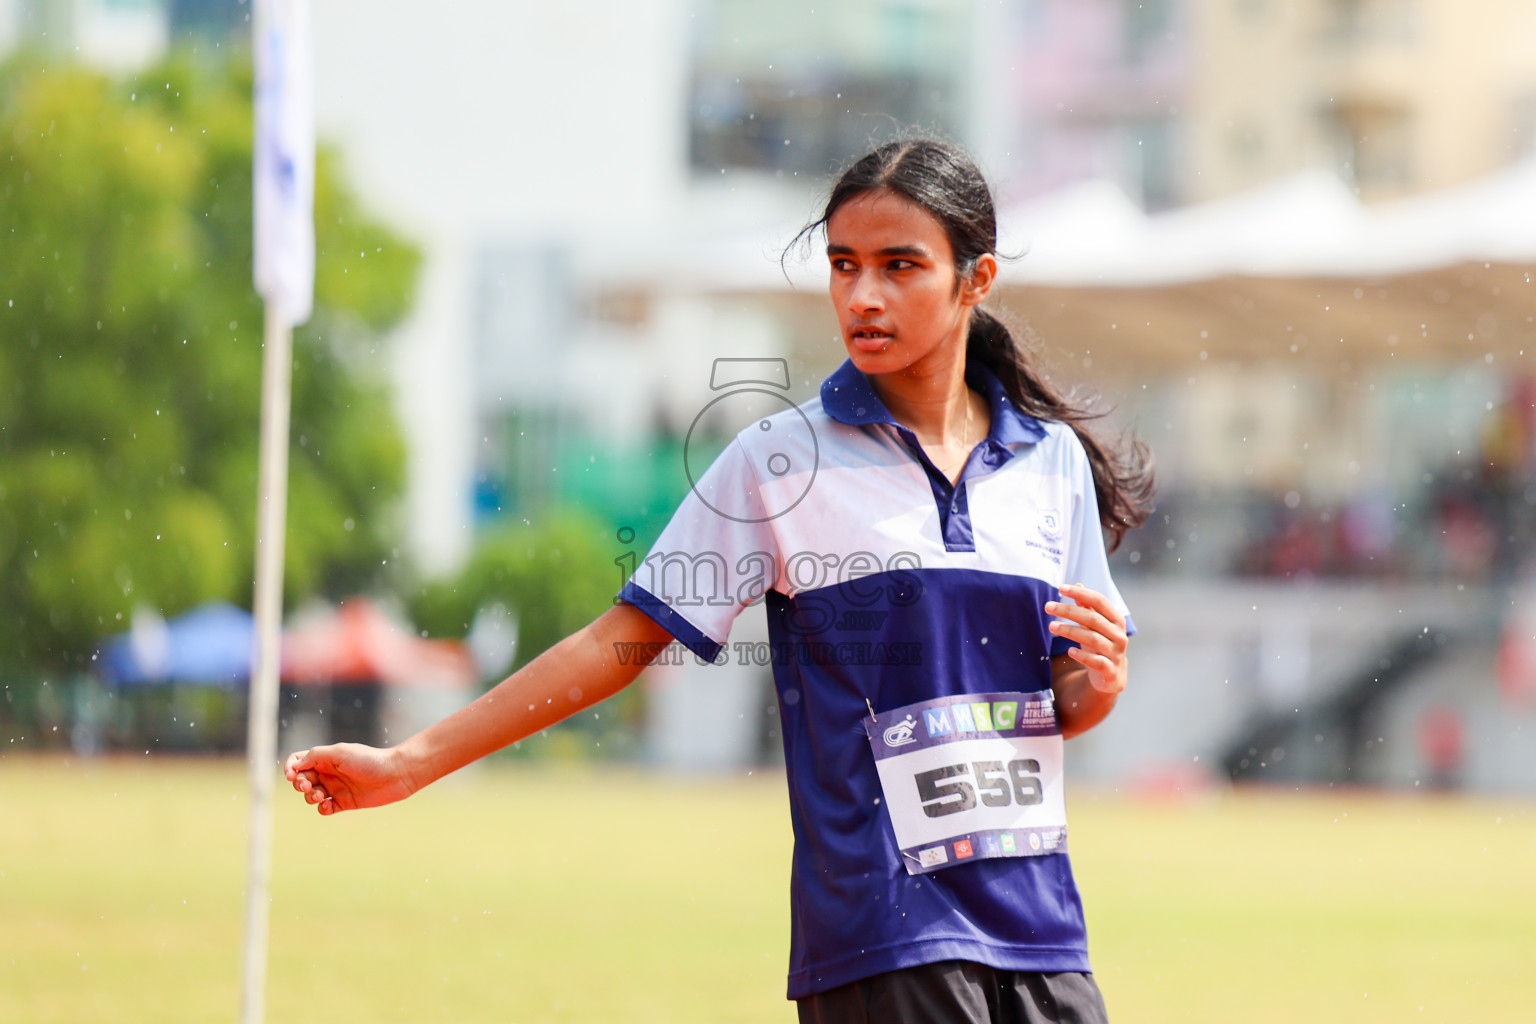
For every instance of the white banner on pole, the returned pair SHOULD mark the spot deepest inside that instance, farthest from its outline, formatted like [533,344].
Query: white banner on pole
[284,172]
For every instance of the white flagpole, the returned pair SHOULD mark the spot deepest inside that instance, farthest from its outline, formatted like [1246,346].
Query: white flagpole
[277,365]
[283,189]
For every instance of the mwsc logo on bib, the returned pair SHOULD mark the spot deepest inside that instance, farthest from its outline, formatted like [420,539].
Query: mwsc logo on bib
[982,716]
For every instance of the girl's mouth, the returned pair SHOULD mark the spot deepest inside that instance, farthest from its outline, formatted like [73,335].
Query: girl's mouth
[870,339]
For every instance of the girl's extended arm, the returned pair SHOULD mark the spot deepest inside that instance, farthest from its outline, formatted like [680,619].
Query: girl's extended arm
[586,667]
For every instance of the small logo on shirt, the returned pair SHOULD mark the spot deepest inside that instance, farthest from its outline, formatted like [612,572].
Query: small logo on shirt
[1008,843]
[1050,525]
[1034,840]
[963,849]
[933,855]
[900,734]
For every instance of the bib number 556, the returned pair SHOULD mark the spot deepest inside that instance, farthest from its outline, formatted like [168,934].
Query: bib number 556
[949,790]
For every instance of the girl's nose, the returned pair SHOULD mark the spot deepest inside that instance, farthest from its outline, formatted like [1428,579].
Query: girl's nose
[865,296]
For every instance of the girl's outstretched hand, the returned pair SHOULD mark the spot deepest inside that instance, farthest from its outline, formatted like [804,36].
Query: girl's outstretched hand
[347,776]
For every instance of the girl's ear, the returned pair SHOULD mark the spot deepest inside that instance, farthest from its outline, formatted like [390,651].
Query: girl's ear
[979,285]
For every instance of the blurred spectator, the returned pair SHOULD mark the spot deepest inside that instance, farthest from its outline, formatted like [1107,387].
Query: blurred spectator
[1508,449]
[1467,536]
[1297,550]
[1516,666]
[1366,533]
[1473,521]
[1442,740]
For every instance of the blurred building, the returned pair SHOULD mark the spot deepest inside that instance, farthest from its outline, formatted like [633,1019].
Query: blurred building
[117,35]
[1397,96]
[1185,101]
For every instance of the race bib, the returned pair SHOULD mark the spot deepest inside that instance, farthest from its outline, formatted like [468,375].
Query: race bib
[971,777]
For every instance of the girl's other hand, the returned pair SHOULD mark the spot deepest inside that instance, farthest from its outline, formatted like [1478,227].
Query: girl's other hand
[1099,631]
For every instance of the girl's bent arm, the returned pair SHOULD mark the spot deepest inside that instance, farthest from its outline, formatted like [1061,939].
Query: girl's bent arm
[1079,704]
[581,670]
[1088,678]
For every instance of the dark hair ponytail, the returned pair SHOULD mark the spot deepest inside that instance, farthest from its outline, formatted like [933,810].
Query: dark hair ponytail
[1122,474]
[939,177]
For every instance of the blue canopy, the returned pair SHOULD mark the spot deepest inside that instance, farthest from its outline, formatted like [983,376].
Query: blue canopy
[212,643]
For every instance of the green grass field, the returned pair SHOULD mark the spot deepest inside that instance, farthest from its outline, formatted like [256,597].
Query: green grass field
[595,893]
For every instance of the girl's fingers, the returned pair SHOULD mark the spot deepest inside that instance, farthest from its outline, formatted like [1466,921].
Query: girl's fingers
[1107,608]
[1084,595]
[1092,659]
[1087,637]
[1101,671]
[1095,600]
[296,762]
[1084,616]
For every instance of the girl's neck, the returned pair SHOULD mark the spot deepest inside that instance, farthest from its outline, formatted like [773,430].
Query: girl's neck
[930,398]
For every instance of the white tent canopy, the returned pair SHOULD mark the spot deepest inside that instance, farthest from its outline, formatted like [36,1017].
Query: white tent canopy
[1091,234]
[1306,225]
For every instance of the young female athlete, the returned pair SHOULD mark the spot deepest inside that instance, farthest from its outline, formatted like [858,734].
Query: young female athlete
[941,617]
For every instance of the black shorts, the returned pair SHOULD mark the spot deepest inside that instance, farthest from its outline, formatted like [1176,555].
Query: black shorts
[959,992]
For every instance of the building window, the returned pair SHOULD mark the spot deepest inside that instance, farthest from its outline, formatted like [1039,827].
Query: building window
[1154,162]
[1523,127]
[1245,141]
[761,98]
[1363,22]
[1148,24]
[1251,12]
[1372,146]
[522,309]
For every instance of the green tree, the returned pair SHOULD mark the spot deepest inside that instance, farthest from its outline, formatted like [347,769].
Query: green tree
[130,360]
[556,574]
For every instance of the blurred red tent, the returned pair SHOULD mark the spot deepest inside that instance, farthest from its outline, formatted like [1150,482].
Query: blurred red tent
[358,643]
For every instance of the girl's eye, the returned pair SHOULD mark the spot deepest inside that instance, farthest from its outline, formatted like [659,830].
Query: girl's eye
[902,264]
[842,266]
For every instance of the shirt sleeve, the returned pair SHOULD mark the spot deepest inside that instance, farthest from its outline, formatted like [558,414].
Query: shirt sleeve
[1086,562]
[717,554]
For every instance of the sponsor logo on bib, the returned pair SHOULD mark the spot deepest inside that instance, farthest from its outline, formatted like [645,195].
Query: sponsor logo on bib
[982,716]
[901,733]
[933,855]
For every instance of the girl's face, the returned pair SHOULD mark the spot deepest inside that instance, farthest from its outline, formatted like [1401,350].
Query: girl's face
[894,284]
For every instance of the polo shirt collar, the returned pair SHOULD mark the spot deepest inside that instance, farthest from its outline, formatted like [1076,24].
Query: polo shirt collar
[848,397]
